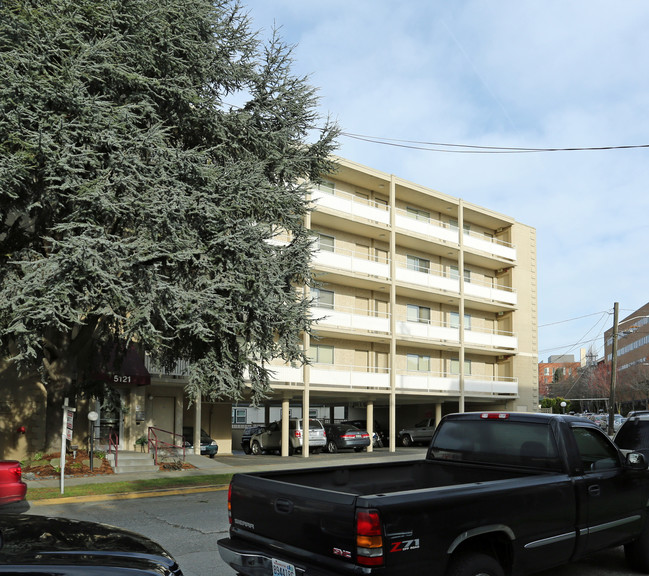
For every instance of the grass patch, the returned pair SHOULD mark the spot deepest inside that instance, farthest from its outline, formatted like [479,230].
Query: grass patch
[130,486]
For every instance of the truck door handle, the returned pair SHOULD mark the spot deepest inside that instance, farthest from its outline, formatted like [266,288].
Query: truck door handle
[593,490]
[283,506]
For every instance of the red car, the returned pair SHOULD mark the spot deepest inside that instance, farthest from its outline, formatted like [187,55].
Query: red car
[12,488]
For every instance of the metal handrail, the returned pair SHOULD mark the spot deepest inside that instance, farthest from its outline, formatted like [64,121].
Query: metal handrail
[113,440]
[154,443]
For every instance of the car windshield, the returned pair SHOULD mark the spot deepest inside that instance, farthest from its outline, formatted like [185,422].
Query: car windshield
[314,425]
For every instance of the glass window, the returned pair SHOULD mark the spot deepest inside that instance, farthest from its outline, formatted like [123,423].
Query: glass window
[455,320]
[323,298]
[595,450]
[418,264]
[455,274]
[418,214]
[321,354]
[326,186]
[239,415]
[324,242]
[455,366]
[416,363]
[418,313]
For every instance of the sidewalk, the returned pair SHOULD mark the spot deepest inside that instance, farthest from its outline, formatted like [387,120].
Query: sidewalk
[239,462]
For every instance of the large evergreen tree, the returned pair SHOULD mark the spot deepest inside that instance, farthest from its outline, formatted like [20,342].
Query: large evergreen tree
[150,150]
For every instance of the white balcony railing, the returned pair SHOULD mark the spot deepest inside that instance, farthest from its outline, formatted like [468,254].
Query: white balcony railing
[348,319]
[351,261]
[426,227]
[450,334]
[492,246]
[450,384]
[352,206]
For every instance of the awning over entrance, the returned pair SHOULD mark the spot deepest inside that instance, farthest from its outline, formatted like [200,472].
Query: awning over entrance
[131,371]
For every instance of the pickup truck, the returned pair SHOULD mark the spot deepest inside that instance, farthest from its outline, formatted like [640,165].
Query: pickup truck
[422,432]
[498,493]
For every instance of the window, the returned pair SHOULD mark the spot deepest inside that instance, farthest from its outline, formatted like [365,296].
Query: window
[455,366]
[418,264]
[595,450]
[323,298]
[454,224]
[321,354]
[546,371]
[418,214]
[327,187]
[455,320]
[418,313]
[239,416]
[455,274]
[416,363]
[324,242]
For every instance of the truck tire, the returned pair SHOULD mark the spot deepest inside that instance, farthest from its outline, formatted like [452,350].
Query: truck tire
[255,448]
[475,564]
[636,553]
[406,440]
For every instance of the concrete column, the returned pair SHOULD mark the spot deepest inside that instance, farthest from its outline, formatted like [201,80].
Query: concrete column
[370,424]
[198,417]
[286,411]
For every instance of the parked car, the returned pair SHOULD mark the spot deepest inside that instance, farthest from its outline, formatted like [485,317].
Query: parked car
[248,433]
[380,436]
[634,435]
[43,545]
[422,432]
[12,487]
[346,437]
[209,447]
[270,440]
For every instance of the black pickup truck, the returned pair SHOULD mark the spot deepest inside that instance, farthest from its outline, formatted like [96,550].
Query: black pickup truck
[497,494]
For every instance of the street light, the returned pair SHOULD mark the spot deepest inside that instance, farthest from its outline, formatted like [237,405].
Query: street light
[92,418]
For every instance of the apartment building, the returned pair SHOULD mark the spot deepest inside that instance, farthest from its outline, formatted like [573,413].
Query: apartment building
[426,304]
[557,368]
[632,343]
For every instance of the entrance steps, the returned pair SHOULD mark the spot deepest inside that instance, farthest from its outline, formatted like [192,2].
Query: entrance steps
[128,462]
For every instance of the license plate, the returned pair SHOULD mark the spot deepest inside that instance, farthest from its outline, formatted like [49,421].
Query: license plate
[282,568]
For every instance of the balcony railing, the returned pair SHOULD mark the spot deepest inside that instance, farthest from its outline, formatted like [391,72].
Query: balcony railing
[352,206]
[350,319]
[437,279]
[428,227]
[353,261]
[363,378]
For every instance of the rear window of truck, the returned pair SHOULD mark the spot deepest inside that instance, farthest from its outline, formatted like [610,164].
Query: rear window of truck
[503,442]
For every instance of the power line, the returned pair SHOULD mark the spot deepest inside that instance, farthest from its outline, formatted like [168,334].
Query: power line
[474,149]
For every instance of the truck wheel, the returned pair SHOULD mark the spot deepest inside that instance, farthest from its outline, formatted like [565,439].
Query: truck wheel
[636,553]
[331,447]
[406,441]
[255,448]
[475,564]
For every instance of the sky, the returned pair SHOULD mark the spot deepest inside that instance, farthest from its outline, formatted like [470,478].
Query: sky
[512,73]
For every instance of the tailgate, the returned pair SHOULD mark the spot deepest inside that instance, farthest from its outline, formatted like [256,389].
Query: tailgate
[311,519]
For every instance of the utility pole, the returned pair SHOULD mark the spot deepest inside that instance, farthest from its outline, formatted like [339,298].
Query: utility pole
[611,400]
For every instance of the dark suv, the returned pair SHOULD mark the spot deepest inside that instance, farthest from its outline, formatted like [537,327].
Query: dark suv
[634,434]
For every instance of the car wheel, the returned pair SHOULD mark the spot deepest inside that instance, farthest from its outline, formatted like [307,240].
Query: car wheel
[406,441]
[331,447]
[255,448]
[475,565]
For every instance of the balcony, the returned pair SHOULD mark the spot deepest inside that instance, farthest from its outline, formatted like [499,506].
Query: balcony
[438,383]
[349,319]
[352,262]
[432,229]
[352,206]
[335,376]
[437,279]
[442,332]
[492,246]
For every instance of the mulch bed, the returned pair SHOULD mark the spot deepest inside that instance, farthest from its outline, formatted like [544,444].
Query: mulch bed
[79,466]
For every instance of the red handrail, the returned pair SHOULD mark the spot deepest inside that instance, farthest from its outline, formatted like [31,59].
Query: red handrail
[155,443]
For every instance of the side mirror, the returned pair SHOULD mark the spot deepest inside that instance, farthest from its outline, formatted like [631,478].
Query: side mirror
[636,461]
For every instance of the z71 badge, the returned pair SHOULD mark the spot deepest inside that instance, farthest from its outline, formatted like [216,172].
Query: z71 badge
[405,545]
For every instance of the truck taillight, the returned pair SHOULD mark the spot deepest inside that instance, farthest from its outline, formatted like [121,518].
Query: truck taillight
[230,503]
[369,541]
[494,415]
